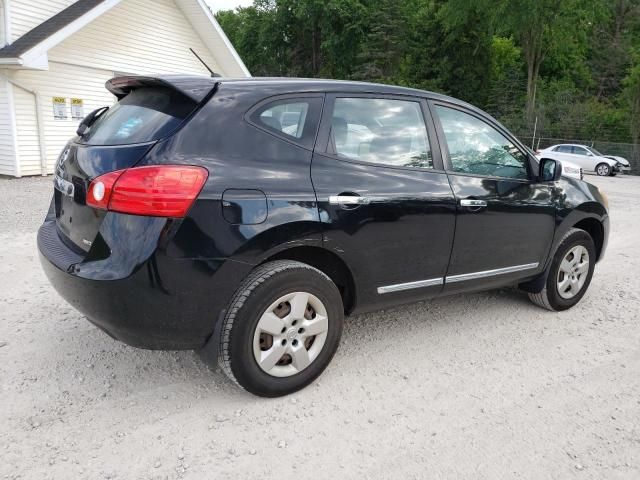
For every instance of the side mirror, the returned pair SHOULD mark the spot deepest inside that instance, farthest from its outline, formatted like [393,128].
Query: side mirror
[90,120]
[550,170]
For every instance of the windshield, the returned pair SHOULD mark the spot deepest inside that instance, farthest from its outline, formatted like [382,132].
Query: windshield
[594,151]
[144,115]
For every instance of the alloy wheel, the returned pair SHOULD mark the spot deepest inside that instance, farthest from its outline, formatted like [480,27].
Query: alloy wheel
[573,272]
[290,334]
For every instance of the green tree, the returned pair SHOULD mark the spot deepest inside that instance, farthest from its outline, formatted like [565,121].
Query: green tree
[632,95]
[570,63]
[611,43]
[383,46]
[538,26]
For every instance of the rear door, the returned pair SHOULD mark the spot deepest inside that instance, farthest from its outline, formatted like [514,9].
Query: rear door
[384,199]
[506,219]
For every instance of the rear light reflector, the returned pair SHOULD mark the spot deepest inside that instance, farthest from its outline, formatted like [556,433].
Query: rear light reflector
[100,190]
[158,191]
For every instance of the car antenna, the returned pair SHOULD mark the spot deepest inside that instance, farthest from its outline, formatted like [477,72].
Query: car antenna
[213,74]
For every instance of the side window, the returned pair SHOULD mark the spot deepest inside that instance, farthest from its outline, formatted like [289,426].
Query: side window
[295,119]
[579,151]
[564,149]
[384,131]
[477,148]
[287,118]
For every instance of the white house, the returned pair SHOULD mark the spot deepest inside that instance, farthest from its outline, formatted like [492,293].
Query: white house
[58,54]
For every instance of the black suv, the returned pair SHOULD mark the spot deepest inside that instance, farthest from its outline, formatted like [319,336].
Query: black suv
[247,217]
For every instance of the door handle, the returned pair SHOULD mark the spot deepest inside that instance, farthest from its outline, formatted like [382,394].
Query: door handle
[348,200]
[473,203]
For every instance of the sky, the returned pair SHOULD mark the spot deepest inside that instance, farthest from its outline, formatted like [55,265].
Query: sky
[227,4]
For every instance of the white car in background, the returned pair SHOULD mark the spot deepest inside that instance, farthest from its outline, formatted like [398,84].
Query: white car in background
[625,166]
[587,158]
[568,169]
[571,170]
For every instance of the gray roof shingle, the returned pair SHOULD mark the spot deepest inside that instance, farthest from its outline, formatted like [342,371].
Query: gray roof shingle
[43,31]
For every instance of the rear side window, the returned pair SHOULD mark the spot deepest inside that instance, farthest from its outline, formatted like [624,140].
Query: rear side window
[144,115]
[286,118]
[380,130]
[293,119]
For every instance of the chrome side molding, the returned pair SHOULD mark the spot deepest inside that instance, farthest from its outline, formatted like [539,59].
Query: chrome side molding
[398,287]
[490,273]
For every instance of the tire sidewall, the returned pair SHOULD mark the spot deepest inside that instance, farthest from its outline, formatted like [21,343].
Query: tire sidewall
[243,363]
[577,238]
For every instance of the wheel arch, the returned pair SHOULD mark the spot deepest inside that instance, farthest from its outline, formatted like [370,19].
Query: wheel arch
[612,163]
[591,224]
[327,262]
[595,230]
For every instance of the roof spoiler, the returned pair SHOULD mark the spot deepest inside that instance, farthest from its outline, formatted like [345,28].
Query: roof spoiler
[194,87]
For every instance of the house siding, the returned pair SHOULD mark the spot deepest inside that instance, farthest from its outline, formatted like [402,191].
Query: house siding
[28,142]
[60,80]
[124,40]
[27,14]
[7,130]
[2,32]
[134,37]
[128,38]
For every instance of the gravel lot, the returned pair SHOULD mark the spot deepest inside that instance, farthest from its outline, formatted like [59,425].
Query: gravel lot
[476,386]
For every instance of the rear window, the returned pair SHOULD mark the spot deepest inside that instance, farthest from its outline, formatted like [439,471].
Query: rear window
[144,115]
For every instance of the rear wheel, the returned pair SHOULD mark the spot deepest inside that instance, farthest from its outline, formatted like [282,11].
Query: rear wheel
[570,273]
[282,328]
[603,169]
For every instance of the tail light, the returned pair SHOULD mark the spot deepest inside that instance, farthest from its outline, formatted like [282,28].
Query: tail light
[157,191]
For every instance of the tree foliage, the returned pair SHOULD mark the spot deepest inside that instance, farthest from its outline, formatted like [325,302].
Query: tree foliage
[572,64]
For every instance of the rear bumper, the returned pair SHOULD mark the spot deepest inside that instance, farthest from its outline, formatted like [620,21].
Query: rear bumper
[160,303]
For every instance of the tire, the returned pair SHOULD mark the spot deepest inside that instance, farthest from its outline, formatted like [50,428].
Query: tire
[552,296]
[270,298]
[603,169]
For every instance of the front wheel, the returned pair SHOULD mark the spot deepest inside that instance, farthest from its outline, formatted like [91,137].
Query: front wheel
[603,170]
[282,328]
[570,273]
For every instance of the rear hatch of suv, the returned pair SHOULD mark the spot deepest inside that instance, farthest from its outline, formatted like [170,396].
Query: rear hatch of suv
[148,110]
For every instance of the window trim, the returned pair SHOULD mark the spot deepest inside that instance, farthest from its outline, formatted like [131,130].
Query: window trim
[309,135]
[323,143]
[444,147]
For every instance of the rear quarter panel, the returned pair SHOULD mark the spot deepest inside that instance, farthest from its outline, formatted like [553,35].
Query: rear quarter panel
[241,156]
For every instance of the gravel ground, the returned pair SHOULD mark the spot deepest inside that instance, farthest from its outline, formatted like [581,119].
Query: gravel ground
[482,386]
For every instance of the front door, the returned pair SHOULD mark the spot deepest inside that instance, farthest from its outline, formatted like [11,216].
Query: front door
[384,199]
[506,219]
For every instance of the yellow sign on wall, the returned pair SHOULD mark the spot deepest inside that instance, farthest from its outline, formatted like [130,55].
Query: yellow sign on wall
[59,108]
[77,108]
